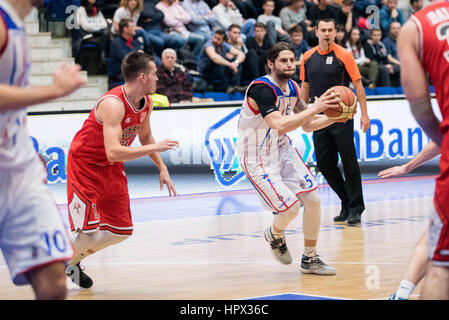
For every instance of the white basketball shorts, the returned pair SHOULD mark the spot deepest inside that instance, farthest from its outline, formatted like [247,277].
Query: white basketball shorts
[279,180]
[32,232]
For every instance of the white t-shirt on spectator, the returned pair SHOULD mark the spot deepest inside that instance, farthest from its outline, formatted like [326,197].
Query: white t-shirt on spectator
[90,23]
[124,13]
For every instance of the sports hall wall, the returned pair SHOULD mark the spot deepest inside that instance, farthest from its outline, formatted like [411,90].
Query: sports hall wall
[208,133]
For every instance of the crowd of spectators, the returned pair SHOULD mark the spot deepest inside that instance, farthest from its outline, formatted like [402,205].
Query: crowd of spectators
[226,41]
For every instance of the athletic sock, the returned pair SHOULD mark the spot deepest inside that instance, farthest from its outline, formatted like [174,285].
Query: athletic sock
[310,251]
[405,289]
[276,235]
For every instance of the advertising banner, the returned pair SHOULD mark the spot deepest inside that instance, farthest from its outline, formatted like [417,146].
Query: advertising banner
[208,138]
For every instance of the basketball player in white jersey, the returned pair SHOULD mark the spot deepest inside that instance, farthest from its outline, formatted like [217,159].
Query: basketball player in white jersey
[33,238]
[273,165]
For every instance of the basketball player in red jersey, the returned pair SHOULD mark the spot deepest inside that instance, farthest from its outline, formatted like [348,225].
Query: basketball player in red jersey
[423,47]
[97,191]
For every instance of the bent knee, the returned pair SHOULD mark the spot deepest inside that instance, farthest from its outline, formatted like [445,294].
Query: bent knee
[311,198]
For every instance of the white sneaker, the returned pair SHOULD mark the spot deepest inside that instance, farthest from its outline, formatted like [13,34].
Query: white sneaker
[279,249]
[316,266]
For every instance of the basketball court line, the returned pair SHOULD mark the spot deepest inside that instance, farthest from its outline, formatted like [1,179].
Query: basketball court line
[226,193]
[293,295]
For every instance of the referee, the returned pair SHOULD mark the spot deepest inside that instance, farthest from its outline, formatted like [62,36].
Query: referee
[323,67]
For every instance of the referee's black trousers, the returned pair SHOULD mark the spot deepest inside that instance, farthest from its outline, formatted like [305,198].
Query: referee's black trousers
[329,142]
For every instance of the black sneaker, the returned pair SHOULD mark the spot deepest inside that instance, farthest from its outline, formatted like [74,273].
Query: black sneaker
[78,277]
[316,266]
[353,218]
[342,217]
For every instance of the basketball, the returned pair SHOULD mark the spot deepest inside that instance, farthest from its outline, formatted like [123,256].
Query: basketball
[347,104]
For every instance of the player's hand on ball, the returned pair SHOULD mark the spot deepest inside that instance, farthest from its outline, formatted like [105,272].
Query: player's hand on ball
[167,144]
[67,78]
[329,99]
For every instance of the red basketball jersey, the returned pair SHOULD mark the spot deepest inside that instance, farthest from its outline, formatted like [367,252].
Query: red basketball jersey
[433,26]
[88,143]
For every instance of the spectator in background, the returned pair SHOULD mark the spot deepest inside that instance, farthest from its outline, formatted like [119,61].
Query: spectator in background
[246,8]
[392,53]
[173,81]
[320,11]
[295,14]
[340,37]
[235,39]
[361,5]
[258,47]
[275,32]
[375,50]
[298,42]
[412,7]
[130,9]
[120,47]
[176,19]
[227,14]
[151,19]
[221,64]
[389,13]
[203,20]
[344,15]
[368,68]
[93,29]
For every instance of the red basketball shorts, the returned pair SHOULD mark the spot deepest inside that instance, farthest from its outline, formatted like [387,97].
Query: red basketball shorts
[98,197]
[439,220]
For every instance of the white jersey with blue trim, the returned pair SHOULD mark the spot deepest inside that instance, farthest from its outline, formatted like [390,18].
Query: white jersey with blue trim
[255,135]
[16,147]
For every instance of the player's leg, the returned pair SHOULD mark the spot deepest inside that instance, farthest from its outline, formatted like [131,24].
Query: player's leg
[436,283]
[86,244]
[84,189]
[34,240]
[327,162]
[276,197]
[274,234]
[310,262]
[48,281]
[416,270]
[114,226]
[299,180]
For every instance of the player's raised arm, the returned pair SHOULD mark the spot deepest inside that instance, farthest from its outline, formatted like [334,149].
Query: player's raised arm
[111,112]
[415,84]
[67,79]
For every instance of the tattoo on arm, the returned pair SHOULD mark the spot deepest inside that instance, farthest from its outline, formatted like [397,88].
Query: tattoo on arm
[301,106]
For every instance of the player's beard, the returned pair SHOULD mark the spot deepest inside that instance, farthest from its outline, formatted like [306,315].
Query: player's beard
[283,75]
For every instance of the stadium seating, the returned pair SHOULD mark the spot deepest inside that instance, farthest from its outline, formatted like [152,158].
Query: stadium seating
[386,90]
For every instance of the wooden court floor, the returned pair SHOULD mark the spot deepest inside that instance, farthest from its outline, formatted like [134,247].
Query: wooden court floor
[226,257]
